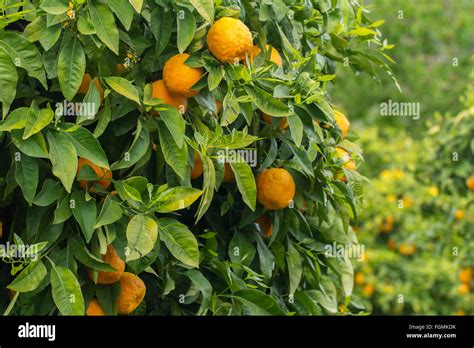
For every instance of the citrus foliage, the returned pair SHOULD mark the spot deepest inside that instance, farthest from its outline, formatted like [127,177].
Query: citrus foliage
[144,176]
[418,219]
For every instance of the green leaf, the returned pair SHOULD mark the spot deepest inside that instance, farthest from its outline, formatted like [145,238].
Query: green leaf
[55,7]
[137,150]
[85,213]
[361,32]
[15,120]
[110,212]
[186,28]
[63,210]
[175,123]
[27,174]
[295,269]
[257,302]
[30,278]
[137,5]
[241,251]
[124,87]
[66,291]
[49,36]
[123,11]
[86,145]
[204,287]
[7,82]
[265,256]
[71,67]
[245,182]
[49,193]
[63,157]
[216,73]
[180,241]
[34,146]
[104,23]
[296,127]
[209,183]
[161,26]
[88,259]
[205,8]
[266,103]
[176,198]
[36,120]
[142,233]
[24,55]
[177,158]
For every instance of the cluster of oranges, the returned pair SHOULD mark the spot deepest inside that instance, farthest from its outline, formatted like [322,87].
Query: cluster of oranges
[132,287]
[368,289]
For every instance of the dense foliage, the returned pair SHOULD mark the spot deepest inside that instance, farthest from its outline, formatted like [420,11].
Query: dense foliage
[193,242]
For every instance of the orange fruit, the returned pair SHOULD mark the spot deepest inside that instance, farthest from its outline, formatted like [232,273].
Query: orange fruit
[218,106]
[346,158]
[407,249]
[265,223]
[120,68]
[282,124]
[160,91]
[113,259]
[342,122]
[368,290]
[274,55]
[387,224]
[132,293]
[464,289]
[460,312]
[391,244]
[105,175]
[229,175]
[95,309]
[359,278]
[229,40]
[459,214]
[197,170]
[465,275]
[470,183]
[86,81]
[275,188]
[179,78]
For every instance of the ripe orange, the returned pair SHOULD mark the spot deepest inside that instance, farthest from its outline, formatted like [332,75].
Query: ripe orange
[197,170]
[265,223]
[218,106]
[132,293]
[282,124]
[391,244]
[459,214]
[95,309]
[105,175]
[113,259]
[229,40]
[470,183]
[179,78]
[464,289]
[342,122]
[368,290]
[407,249]
[387,224]
[275,188]
[346,158]
[359,278]
[274,55]
[160,91]
[229,175]
[86,81]
[465,275]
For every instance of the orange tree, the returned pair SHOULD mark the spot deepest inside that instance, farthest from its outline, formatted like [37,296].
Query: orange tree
[178,157]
